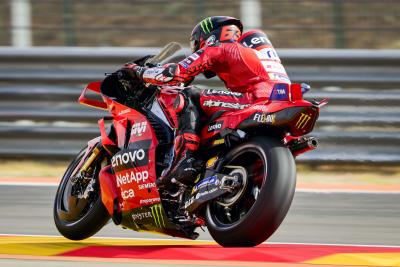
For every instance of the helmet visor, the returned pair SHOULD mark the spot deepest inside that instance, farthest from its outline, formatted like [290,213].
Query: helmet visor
[193,45]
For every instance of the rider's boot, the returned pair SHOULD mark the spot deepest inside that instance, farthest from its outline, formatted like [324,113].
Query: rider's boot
[183,170]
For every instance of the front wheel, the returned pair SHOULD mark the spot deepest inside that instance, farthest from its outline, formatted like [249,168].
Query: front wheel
[270,181]
[78,210]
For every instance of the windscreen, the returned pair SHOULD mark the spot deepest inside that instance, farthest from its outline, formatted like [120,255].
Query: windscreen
[169,53]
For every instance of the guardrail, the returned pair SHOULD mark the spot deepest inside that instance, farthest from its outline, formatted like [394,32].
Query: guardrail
[39,116]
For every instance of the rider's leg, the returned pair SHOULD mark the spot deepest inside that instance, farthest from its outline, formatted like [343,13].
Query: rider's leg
[186,142]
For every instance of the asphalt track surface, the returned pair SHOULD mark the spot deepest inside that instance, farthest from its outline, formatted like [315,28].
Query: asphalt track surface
[315,217]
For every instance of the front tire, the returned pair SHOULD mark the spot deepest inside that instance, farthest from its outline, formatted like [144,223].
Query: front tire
[78,218]
[256,216]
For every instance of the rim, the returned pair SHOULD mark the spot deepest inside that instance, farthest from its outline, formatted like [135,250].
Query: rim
[254,162]
[70,207]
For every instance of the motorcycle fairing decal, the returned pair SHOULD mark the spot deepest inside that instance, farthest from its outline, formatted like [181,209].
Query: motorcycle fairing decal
[137,155]
[296,120]
[260,114]
[150,218]
[135,175]
[205,190]
[280,92]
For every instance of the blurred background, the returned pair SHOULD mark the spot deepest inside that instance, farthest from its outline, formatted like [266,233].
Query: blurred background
[130,23]
[347,50]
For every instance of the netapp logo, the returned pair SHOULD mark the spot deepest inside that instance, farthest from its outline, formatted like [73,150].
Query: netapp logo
[130,156]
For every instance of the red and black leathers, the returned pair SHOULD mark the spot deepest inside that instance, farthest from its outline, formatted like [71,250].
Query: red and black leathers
[244,70]
[249,72]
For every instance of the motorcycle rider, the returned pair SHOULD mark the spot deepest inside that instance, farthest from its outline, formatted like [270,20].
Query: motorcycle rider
[247,64]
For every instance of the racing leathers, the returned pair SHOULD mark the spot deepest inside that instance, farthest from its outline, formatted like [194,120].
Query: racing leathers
[249,68]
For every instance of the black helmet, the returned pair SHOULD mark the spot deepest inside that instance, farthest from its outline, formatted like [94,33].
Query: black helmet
[214,26]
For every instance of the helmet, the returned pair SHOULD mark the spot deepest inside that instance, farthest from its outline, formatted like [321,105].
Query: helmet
[217,28]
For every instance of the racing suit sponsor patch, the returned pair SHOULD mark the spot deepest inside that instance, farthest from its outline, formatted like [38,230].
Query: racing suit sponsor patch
[216,92]
[217,103]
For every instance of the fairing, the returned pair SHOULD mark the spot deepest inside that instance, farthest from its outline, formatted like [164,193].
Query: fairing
[284,113]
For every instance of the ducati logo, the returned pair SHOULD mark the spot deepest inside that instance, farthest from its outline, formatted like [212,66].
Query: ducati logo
[139,128]
[302,121]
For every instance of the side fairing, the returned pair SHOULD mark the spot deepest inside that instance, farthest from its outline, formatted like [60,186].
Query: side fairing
[134,169]
[297,117]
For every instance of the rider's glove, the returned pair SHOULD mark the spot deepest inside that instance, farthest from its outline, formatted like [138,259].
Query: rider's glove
[131,70]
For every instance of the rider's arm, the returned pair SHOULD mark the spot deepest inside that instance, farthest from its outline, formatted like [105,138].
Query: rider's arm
[184,71]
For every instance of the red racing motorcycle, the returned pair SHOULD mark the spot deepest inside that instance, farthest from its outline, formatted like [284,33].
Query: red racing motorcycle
[247,170]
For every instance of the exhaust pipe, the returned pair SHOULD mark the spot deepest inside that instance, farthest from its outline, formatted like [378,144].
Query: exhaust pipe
[303,145]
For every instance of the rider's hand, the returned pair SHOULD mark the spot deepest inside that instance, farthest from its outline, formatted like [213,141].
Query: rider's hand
[131,69]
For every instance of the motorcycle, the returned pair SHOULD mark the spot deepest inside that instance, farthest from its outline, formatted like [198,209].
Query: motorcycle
[247,172]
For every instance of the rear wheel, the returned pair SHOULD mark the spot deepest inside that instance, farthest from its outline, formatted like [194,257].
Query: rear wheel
[78,210]
[268,173]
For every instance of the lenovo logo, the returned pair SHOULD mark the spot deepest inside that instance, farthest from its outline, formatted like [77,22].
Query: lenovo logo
[125,158]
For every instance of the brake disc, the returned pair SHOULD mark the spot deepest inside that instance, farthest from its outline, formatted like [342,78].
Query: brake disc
[232,198]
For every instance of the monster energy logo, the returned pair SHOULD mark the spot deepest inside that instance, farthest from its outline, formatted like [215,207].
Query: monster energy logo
[302,122]
[156,212]
[206,25]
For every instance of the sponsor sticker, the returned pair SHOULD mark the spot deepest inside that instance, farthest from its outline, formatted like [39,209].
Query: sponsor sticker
[190,59]
[211,162]
[256,41]
[212,103]
[212,180]
[156,212]
[302,121]
[150,201]
[129,177]
[139,128]
[122,112]
[215,127]
[264,118]
[219,142]
[127,194]
[262,108]
[141,216]
[272,66]
[210,40]
[135,156]
[147,186]
[222,93]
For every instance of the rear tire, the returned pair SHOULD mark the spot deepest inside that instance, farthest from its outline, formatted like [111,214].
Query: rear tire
[271,203]
[78,226]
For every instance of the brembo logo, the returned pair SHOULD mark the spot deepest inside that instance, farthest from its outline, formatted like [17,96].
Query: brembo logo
[131,156]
